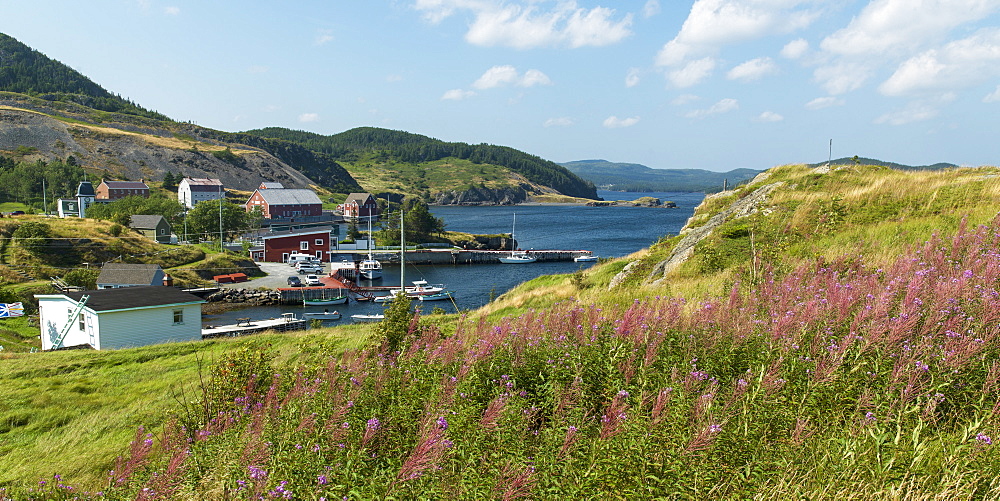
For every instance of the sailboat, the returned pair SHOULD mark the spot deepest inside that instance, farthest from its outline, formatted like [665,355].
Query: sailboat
[516,256]
[370,268]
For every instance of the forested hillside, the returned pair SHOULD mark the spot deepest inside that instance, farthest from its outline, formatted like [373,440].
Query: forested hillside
[27,71]
[636,177]
[406,147]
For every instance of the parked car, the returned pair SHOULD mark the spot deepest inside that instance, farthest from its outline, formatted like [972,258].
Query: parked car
[16,213]
[294,282]
[313,280]
[310,268]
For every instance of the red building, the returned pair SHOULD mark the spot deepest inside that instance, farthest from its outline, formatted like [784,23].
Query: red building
[279,245]
[360,205]
[276,203]
[114,190]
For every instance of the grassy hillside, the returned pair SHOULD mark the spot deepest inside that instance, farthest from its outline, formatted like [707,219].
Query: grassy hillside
[839,340]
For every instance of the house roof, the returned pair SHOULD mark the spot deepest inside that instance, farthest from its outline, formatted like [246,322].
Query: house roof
[127,273]
[134,297]
[289,197]
[203,184]
[297,232]
[271,186]
[146,222]
[359,198]
[125,185]
[86,189]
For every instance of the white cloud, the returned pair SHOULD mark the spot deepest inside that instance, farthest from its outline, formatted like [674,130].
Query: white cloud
[993,96]
[754,69]
[713,24]
[323,37]
[723,106]
[632,78]
[914,112]
[824,102]
[692,73]
[172,10]
[309,117]
[683,99]
[457,95]
[899,25]
[614,122]
[961,63]
[651,9]
[795,49]
[842,77]
[529,25]
[558,122]
[769,116]
[498,76]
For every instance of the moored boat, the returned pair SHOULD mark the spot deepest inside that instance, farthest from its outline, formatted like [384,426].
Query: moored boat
[440,296]
[367,318]
[325,301]
[322,315]
[585,259]
[516,256]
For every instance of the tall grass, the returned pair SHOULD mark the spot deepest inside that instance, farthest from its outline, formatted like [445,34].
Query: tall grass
[835,379]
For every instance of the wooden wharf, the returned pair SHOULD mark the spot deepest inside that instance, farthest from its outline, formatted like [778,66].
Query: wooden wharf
[246,326]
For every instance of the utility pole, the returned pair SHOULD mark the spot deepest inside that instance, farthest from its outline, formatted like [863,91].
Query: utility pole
[221,248]
[45,203]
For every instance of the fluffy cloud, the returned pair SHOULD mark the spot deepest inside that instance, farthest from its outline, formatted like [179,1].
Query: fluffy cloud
[961,63]
[914,112]
[614,122]
[172,11]
[769,116]
[309,117]
[632,78]
[713,24]
[723,106]
[754,69]
[651,8]
[457,95]
[498,76]
[795,49]
[692,73]
[842,77]
[323,37]
[558,122]
[993,96]
[526,25]
[824,102]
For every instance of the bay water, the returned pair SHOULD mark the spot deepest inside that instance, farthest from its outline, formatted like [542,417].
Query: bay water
[605,231]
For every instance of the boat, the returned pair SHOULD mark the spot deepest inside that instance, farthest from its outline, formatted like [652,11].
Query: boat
[325,301]
[421,287]
[367,318]
[585,259]
[440,296]
[516,256]
[322,315]
[370,268]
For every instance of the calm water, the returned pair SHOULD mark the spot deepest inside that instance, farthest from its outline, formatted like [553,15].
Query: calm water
[606,231]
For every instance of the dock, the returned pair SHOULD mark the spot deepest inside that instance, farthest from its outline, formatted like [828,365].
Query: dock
[246,326]
[464,256]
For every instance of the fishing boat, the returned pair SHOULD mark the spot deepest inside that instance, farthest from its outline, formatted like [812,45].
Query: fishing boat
[516,256]
[440,296]
[368,318]
[325,301]
[322,315]
[585,259]
[370,268]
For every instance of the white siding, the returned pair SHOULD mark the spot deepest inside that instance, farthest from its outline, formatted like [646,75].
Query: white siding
[116,329]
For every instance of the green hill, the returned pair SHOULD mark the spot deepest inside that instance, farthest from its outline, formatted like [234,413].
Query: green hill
[636,177]
[881,163]
[372,149]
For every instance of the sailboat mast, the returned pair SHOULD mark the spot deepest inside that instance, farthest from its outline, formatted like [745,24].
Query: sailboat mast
[402,252]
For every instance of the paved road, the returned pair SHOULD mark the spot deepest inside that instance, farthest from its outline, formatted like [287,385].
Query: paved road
[277,276]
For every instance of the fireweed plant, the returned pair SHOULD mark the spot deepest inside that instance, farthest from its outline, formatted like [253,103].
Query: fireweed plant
[834,380]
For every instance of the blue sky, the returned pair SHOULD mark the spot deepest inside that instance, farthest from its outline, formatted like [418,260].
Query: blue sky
[710,84]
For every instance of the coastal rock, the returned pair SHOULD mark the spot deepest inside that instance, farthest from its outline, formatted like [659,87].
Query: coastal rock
[488,242]
[482,196]
[245,296]
[639,202]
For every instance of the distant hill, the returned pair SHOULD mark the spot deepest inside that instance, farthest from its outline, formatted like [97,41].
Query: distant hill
[891,165]
[637,177]
[384,148]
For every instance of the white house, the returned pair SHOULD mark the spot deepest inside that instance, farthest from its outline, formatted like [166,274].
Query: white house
[119,318]
[77,207]
[192,190]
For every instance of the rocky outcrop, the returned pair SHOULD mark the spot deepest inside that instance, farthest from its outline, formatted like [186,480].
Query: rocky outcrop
[685,248]
[639,202]
[487,242]
[482,196]
[246,296]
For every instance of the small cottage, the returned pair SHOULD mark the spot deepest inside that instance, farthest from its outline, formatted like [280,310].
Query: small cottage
[119,275]
[360,206]
[153,226]
[118,318]
[109,191]
[285,203]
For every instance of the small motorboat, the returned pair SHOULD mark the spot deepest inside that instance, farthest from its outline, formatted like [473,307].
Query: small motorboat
[440,296]
[367,318]
[322,315]
[585,259]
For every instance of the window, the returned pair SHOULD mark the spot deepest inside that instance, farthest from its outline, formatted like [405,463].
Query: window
[319,242]
[178,317]
[304,245]
[83,325]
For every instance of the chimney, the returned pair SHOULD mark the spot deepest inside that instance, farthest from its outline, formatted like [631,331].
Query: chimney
[168,281]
